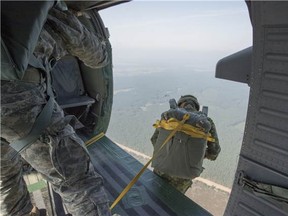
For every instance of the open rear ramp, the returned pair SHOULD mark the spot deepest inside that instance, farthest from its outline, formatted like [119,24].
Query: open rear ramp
[149,196]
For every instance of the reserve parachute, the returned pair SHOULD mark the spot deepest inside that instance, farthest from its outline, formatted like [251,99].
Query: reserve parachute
[183,155]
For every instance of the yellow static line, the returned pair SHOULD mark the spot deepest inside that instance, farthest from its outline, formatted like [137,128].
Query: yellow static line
[133,181]
[94,139]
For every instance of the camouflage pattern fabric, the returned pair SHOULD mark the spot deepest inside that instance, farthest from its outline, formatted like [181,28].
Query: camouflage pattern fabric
[212,151]
[213,148]
[15,198]
[78,41]
[59,155]
[180,184]
[63,34]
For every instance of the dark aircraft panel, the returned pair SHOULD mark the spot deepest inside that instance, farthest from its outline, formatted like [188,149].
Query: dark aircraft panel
[261,182]
[236,67]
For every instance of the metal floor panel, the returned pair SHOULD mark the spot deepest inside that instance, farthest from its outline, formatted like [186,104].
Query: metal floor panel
[150,195]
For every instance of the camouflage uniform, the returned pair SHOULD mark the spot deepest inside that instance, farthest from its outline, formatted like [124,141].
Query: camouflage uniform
[59,154]
[180,184]
[212,150]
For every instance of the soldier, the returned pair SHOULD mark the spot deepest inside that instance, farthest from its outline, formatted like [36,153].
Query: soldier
[169,164]
[58,154]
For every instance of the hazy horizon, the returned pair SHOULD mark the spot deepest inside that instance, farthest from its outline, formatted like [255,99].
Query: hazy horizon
[177,32]
[162,50]
[140,99]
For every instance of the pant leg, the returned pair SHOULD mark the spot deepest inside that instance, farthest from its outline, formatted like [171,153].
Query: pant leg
[180,184]
[80,187]
[14,199]
[63,161]
[59,154]
[20,104]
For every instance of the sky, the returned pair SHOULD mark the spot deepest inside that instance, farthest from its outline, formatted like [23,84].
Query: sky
[178,30]
[175,38]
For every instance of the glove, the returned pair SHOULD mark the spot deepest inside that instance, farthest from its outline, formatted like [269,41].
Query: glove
[210,156]
[212,151]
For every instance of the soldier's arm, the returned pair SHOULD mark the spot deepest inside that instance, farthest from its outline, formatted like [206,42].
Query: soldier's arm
[213,148]
[154,137]
[78,40]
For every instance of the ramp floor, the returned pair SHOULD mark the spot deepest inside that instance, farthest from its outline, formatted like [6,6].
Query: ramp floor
[150,196]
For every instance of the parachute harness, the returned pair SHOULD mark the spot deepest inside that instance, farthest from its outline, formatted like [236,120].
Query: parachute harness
[172,125]
[188,129]
[177,127]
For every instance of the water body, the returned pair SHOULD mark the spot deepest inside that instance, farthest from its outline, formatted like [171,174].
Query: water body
[141,94]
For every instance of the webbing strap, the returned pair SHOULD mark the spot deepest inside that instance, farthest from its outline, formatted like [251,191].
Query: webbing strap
[43,120]
[40,124]
[188,129]
[261,189]
[134,180]
[94,139]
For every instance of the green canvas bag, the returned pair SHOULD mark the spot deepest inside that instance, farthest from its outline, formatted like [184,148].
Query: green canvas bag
[183,155]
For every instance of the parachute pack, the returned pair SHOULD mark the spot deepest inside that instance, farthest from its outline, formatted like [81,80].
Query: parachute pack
[183,154]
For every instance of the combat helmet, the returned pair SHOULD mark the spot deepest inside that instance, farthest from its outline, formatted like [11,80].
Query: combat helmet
[189,99]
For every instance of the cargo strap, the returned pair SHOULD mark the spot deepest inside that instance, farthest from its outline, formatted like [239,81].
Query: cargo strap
[134,180]
[188,129]
[94,139]
[43,120]
[264,190]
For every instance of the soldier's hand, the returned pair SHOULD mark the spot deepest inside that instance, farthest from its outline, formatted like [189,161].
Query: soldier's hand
[210,156]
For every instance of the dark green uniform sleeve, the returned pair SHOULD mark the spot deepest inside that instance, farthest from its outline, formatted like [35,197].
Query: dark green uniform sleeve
[213,148]
[154,137]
